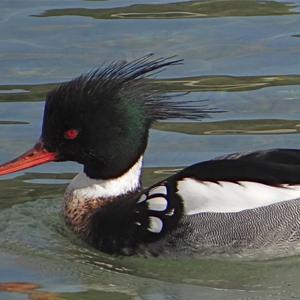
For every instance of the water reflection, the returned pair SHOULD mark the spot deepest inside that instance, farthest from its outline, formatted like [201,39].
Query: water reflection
[189,9]
[18,93]
[13,122]
[254,126]
[33,292]
[15,93]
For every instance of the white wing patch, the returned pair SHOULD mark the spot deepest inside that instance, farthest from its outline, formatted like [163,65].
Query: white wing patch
[161,189]
[156,198]
[224,196]
[157,203]
[142,198]
[155,224]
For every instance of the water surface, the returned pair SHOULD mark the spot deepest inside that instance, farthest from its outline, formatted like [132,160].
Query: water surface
[242,57]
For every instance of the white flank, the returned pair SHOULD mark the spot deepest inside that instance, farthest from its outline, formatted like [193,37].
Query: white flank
[155,225]
[157,203]
[84,187]
[161,189]
[224,196]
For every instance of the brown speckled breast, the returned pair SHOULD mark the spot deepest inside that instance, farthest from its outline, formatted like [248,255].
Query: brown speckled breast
[77,212]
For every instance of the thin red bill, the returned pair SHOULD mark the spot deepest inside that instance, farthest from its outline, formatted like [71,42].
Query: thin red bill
[35,156]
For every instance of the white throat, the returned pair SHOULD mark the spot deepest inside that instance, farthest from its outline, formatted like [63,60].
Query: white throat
[83,187]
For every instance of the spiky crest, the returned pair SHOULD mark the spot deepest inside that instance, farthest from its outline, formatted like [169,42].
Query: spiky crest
[130,80]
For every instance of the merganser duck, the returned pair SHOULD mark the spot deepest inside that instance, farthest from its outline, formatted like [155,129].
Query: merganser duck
[102,119]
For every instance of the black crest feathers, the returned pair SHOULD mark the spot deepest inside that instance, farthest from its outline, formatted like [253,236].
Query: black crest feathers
[129,81]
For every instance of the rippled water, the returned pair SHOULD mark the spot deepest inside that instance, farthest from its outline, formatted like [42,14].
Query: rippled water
[242,56]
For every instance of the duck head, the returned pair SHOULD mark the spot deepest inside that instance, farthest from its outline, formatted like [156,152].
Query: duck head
[101,119]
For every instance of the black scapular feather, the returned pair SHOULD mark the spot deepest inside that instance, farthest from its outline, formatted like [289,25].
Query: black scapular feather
[129,81]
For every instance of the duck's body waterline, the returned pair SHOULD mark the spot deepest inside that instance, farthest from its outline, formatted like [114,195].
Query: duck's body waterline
[224,217]
[102,120]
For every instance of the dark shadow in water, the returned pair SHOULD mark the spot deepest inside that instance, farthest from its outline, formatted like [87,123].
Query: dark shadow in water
[255,126]
[13,123]
[189,9]
[21,93]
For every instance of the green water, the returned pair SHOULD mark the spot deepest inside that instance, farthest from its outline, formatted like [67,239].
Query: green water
[241,56]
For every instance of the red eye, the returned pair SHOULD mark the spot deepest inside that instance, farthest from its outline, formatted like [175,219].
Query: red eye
[71,134]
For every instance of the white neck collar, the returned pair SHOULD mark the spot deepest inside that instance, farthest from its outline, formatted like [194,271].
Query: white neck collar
[84,187]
